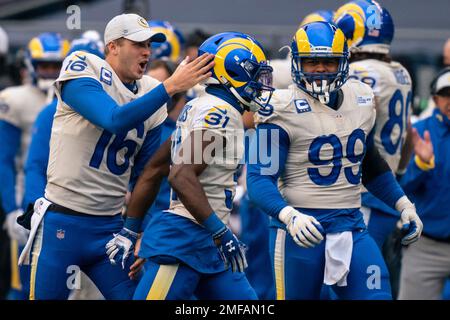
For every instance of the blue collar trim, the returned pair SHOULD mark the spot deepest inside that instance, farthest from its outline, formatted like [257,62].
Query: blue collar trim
[225,95]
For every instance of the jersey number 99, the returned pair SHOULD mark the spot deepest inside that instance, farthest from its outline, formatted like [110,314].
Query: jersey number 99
[336,160]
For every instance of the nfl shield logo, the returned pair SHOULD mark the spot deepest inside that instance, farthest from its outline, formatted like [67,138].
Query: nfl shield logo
[60,234]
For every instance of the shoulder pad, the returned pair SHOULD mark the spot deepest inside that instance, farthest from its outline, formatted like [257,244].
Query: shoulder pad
[365,72]
[82,64]
[211,113]
[278,105]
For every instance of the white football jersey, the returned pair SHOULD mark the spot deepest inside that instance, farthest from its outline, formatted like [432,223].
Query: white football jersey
[195,91]
[281,74]
[89,168]
[391,84]
[219,179]
[20,106]
[323,166]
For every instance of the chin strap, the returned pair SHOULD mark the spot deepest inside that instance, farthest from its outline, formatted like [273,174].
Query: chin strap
[324,98]
[247,105]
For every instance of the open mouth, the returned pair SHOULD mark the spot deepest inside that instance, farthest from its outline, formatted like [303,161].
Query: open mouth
[318,82]
[143,66]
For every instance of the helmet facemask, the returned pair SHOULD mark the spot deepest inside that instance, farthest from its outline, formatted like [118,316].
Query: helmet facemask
[256,93]
[43,80]
[319,84]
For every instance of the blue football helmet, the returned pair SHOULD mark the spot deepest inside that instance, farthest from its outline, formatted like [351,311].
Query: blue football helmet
[86,45]
[241,67]
[173,47]
[94,35]
[320,15]
[319,40]
[367,26]
[47,48]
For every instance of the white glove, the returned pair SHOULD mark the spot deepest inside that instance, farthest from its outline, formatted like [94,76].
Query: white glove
[304,229]
[410,220]
[15,230]
[121,246]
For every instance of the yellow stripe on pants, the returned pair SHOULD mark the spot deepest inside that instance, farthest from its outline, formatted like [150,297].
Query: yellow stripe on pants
[35,252]
[162,282]
[15,275]
[279,264]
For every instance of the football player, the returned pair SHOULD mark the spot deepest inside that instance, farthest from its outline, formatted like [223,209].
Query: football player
[254,222]
[100,140]
[321,128]
[190,249]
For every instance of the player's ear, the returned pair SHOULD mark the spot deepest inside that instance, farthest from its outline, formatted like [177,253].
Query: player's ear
[112,48]
[435,100]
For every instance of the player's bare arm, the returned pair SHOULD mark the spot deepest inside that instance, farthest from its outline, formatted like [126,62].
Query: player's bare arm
[183,178]
[147,186]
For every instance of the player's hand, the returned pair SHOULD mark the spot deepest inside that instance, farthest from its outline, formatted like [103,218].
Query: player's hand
[188,74]
[231,250]
[138,263]
[121,246]
[136,268]
[412,224]
[15,230]
[304,229]
[423,148]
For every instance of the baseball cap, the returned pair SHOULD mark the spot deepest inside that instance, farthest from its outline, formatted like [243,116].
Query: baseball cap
[132,27]
[441,81]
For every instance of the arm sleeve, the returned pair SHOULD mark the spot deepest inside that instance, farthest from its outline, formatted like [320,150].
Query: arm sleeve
[100,109]
[12,134]
[378,178]
[151,143]
[38,154]
[263,187]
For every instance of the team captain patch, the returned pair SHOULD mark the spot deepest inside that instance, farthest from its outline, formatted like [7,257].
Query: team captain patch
[302,106]
[106,76]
